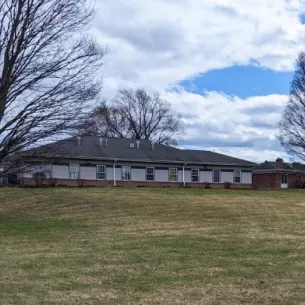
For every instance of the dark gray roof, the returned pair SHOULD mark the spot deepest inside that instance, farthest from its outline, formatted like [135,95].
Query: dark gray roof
[298,166]
[278,166]
[120,149]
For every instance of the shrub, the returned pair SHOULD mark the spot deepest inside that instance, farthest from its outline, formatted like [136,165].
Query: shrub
[52,182]
[227,184]
[39,178]
[81,182]
[207,185]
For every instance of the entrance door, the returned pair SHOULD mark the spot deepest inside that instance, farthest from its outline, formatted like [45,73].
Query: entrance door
[284,181]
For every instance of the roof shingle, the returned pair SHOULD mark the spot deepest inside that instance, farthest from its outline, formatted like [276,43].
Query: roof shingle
[118,148]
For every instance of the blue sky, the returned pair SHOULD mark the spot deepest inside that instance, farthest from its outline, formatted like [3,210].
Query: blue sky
[242,81]
[226,66]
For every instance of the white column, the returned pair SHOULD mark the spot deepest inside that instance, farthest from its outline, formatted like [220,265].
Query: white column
[183,176]
[114,178]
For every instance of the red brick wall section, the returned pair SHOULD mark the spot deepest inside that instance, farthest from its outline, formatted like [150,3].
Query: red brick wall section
[272,181]
[292,181]
[264,181]
[68,182]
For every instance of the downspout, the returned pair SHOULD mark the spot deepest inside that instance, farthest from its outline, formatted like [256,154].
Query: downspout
[183,176]
[114,178]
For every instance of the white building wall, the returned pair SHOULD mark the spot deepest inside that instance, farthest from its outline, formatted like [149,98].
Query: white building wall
[180,175]
[187,176]
[109,173]
[246,178]
[39,168]
[226,177]
[61,171]
[87,172]
[206,176]
[138,174]
[161,175]
[118,173]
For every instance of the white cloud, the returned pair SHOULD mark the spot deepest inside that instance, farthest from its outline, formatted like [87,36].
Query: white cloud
[157,43]
[245,128]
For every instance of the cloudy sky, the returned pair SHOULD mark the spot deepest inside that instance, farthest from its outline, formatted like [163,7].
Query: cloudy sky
[225,65]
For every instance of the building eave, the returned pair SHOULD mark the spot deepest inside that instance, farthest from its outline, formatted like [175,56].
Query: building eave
[141,161]
[266,171]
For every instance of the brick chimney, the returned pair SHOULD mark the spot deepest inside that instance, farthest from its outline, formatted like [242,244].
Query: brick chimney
[279,161]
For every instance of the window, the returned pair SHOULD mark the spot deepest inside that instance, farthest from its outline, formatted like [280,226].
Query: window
[237,176]
[74,171]
[101,172]
[150,174]
[216,175]
[47,170]
[126,173]
[47,174]
[173,174]
[195,175]
[284,179]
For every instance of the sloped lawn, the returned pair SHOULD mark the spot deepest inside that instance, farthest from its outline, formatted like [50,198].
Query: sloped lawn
[151,246]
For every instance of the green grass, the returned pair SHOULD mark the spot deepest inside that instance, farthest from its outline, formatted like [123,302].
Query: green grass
[151,246]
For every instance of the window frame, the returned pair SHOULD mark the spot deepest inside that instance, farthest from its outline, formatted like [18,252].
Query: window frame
[284,175]
[219,176]
[123,177]
[169,174]
[70,171]
[101,172]
[198,174]
[150,174]
[235,176]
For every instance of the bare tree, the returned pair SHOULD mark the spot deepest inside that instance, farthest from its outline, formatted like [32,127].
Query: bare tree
[138,115]
[292,125]
[47,70]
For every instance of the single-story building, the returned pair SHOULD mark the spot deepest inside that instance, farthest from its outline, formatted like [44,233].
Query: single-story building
[278,175]
[98,161]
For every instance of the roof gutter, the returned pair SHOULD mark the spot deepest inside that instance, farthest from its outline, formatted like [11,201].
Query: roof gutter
[263,171]
[183,176]
[114,177]
[155,161]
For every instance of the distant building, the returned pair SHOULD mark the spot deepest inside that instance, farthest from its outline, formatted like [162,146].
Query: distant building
[279,175]
[128,162]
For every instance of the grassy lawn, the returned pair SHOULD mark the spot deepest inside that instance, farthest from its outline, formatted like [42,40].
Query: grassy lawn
[151,246]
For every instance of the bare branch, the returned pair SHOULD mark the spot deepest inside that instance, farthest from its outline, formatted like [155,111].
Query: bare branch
[136,114]
[292,125]
[48,68]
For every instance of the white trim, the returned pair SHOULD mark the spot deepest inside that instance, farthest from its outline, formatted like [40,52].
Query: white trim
[78,171]
[183,174]
[169,174]
[284,185]
[122,177]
